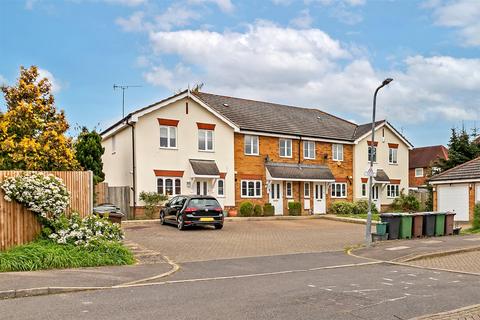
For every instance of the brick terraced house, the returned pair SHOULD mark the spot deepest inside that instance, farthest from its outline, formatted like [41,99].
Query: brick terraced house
[424,163]
[244,150]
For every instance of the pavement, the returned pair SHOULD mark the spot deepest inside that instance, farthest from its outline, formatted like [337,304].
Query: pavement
[296,269]
[239,239]
[324,285]
[409,250]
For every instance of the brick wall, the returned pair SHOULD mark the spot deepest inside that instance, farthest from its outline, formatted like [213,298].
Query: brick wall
[416,181]
[253,167]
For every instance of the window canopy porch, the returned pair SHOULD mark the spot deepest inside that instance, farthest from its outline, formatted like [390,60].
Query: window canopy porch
[298,172]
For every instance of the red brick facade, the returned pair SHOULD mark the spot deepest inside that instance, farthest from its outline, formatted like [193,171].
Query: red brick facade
[250,167]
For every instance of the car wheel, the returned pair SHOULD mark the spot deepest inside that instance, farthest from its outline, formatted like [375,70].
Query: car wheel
[162,218]
[218,226]
[180,223]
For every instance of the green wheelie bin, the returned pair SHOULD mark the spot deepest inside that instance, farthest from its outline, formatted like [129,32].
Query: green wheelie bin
[440,224]
[405,226]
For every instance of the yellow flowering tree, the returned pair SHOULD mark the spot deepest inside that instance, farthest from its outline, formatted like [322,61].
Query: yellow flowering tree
[32,130]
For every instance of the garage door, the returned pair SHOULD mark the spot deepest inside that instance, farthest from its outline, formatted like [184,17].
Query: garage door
[454,198]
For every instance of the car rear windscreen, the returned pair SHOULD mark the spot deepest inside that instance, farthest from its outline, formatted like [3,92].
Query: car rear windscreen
[201,203]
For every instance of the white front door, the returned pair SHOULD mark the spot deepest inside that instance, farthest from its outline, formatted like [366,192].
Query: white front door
[319,198]
[276,198]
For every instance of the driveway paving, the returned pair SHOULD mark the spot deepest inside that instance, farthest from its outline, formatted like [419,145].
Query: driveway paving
[246,239]
[463,261]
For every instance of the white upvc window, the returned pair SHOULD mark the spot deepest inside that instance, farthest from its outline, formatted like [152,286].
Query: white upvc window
[251,188]
[169,186]
[337,152]
[393,190]
[339,190]
[251,145]
[285,148]
[168,137]
[418,172]
[309,149]
[364,190]
[221,188]
[205,140]
[306,189]
[288,189]
[392,155]
[370,151]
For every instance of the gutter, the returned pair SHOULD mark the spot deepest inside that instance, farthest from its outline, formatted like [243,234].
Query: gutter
[134,168]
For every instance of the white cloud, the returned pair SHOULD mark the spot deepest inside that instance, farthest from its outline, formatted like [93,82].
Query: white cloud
[303,20]
[317,71]
[177,15]
[133,23]
[463,15]
[3,81]
[224,5]
[43,73]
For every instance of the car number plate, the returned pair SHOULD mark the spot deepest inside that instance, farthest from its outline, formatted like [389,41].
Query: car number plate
[206,219]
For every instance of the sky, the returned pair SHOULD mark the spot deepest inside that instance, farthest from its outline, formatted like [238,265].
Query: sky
[325,54]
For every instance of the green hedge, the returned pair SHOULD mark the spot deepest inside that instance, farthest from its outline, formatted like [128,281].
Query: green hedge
[268,210]
[258,210]
[345,207]
[342,207]
[246,209]
[406,203]
[294,208]
[476,217]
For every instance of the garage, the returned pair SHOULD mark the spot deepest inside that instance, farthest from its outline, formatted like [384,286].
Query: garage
[458,189]
[454,198]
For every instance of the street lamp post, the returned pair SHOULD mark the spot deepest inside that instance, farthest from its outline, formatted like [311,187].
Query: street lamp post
[368,229]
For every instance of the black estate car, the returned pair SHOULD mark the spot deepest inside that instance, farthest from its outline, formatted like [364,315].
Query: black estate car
[186,211]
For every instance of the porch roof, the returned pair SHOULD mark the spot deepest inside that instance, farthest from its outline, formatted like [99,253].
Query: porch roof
[299,172]
[382,176]
[204,168]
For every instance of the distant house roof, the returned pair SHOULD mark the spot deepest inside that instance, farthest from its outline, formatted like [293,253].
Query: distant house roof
[260,116]
[292,171]
[466,171]
[425,156]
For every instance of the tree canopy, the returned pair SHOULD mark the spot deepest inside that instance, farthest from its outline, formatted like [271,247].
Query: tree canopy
[32,130]
[89,151]
[460,149]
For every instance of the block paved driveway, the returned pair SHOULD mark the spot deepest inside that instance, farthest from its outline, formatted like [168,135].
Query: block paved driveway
[246,238]
[464,261]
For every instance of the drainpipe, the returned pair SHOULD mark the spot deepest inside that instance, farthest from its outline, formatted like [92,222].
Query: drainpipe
[134,170]
[299,161]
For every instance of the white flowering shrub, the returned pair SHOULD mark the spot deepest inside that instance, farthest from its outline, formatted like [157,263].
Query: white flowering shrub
[83,232]
[46,195]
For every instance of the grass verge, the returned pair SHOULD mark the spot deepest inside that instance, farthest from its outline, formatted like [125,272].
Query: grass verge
[375,216]
[46,254]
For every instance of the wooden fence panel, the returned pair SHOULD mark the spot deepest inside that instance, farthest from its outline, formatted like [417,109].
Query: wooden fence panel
[119,196]
[19,225]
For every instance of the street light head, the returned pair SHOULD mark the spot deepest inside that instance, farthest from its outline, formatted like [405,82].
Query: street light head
[387,81]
